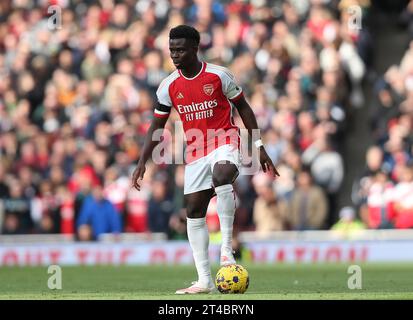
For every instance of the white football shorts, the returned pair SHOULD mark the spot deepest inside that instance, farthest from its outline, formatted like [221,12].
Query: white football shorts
[198,174]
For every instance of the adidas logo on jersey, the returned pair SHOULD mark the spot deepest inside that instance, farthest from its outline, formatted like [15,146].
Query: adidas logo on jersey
[180,95]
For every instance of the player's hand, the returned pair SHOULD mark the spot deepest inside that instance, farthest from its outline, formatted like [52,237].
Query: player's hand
[266,163]
[138,175]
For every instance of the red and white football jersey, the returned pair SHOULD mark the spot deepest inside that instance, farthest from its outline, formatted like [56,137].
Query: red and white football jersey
[204,106]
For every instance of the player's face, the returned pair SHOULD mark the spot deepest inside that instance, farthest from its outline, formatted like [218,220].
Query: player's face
[182,52]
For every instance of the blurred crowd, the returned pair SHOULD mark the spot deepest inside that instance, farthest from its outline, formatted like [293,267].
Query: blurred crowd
[77,97]
[383,193]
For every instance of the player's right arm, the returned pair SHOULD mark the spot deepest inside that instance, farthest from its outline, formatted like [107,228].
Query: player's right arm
[158,122]
[234,93]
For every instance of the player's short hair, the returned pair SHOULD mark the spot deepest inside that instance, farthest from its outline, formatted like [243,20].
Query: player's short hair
[185,32]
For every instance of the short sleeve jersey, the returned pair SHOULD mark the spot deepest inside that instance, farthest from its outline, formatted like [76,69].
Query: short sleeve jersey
[204,104]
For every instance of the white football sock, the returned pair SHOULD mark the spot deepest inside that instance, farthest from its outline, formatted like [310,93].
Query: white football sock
[226,212]
[198,237]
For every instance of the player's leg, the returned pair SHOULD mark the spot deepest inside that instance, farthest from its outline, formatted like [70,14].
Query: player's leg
[223,175]
[198,236]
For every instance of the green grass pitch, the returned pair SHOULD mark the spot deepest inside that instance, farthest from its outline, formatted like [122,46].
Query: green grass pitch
[329,281]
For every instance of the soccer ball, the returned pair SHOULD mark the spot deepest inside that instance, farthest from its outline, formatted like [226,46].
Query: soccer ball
[232,278]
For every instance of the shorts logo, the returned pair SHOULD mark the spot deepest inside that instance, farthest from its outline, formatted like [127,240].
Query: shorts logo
[209,89]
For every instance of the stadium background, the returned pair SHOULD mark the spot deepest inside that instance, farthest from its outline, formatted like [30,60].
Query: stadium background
[333,104]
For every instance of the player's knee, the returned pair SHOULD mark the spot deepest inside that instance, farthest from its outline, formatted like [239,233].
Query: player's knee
[220,180]
[193,211]
[224,174]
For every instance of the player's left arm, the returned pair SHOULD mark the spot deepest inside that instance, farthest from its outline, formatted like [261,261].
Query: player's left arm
[250,123]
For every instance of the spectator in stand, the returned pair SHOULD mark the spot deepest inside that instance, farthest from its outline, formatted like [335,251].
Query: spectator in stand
[97,216]
[403,199]
[245,192]
[4,188]
[327,168]
[378,212]
[361,186]
[116,189]
[45,209]
[16,206]
[160,205]
[178,198]
[177,222]
[28,182]
[177,226]
[270,213]
[389,95]
[308,207]
[348,223]
[137,204]
[66,210]
[4,192]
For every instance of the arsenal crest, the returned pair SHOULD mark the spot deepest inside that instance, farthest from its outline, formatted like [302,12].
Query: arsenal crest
[208,89]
